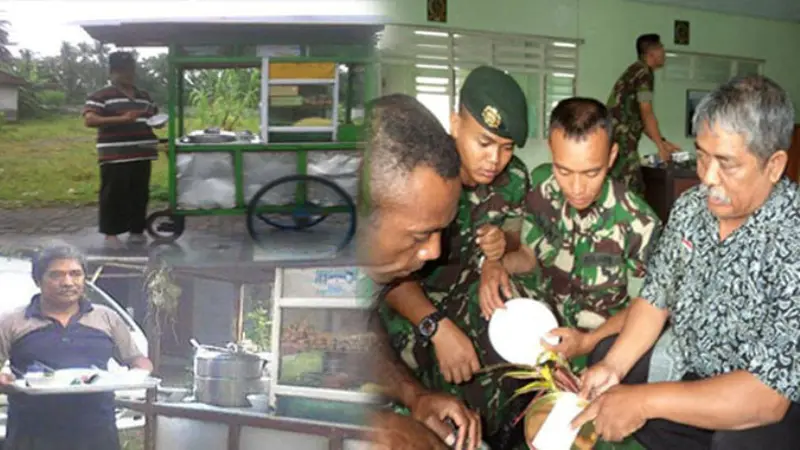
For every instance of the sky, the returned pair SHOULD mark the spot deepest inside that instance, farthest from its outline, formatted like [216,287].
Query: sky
[41,25]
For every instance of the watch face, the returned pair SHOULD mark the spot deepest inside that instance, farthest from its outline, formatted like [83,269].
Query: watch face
[427,327]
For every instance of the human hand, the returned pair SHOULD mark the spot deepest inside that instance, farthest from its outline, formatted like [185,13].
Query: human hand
[617,413]
[571,342]
[393,431]
[132,116]
[492,241]
[666,149]
[433,409]
[455,353]
[6,379]
[598,379]
[494,279]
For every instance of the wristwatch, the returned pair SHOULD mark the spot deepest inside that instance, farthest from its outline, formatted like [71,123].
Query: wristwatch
[427,327]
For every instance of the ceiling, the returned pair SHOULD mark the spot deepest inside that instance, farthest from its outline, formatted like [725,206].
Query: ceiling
[770,9]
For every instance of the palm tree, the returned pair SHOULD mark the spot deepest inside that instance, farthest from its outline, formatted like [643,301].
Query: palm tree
[5,53]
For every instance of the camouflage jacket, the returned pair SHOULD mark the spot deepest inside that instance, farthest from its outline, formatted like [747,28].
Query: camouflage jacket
[635,85]
[451,283]
[484,204]
[585,259]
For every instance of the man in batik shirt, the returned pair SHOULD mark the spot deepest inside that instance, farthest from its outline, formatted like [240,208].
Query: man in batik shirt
[708,356]
[434,317]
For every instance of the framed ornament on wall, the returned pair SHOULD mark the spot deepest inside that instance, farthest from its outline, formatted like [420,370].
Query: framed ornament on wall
[681,32]
[437,11]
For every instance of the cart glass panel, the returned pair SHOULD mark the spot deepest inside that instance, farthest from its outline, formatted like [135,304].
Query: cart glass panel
[325,348]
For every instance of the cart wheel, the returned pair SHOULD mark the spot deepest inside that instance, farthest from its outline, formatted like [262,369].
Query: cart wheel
[302,216]
[163,226]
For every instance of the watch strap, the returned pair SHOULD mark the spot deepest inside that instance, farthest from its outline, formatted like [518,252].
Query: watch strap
[431,319]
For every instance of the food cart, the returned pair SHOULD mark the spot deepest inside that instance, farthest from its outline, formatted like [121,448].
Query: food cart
[300,166]
[316,392]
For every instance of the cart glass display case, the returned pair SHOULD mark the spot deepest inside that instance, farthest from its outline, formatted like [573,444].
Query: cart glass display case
[322,345]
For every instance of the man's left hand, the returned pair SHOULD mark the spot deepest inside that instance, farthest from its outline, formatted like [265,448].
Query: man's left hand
[492,241]
[617,414]
[433,408]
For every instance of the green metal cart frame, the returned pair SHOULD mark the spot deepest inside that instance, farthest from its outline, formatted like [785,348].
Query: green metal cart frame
[338,39]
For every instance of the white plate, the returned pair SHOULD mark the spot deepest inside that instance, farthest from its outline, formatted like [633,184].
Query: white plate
[516,332]
[157,120]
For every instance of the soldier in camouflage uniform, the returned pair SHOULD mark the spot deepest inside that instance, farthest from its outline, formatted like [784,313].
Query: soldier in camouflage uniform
[631,109]
[584,235]
[439,304]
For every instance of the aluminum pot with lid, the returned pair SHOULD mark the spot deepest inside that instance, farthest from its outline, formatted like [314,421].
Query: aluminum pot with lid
[209,136]
[226,376]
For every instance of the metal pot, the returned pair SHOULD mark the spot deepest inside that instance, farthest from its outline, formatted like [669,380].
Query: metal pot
[209,136]
[226,376]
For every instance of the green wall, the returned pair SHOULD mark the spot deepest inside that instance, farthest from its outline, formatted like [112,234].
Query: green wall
[609,28]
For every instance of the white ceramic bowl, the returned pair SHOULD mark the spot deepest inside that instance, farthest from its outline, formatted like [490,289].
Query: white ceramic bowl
[157,120]
[259,402]
[516,331]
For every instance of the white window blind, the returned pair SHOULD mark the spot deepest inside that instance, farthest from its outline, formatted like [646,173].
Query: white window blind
[432,64]
[708,68]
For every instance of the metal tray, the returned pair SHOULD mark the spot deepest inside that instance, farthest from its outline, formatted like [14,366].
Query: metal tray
[106,386]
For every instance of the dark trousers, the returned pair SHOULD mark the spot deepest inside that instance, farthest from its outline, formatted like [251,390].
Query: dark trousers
[100,439]
[659,434]
[124,193]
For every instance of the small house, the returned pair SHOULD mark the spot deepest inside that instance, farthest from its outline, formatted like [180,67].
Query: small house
[9,95]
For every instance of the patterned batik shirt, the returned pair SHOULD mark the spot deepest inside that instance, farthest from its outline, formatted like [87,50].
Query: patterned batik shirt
[635,85]
[733,304]
[586,259]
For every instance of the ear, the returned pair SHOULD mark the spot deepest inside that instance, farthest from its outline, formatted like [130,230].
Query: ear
[776,165]
[455,122]
[612,158]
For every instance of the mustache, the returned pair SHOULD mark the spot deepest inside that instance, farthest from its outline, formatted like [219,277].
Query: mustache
[715,193]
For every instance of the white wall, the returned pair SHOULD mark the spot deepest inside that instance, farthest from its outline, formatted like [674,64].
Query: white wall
[9,98]
[608,29]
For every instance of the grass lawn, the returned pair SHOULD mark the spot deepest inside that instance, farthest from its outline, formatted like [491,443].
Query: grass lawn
[52,162]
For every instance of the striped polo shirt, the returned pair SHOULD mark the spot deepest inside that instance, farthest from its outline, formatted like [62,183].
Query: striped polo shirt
[92,337]
[123,142]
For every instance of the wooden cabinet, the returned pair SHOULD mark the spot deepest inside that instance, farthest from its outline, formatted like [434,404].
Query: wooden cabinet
[793,167]
[663,185]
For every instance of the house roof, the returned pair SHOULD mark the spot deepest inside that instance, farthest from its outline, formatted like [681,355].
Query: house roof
[6,79]
[333,30]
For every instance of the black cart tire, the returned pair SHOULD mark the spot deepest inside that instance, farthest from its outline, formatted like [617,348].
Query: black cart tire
[168,231]
[301,219]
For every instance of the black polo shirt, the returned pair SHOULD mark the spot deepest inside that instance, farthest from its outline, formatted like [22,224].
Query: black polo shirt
[92,337]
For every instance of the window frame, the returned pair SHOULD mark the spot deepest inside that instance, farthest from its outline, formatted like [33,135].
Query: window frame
[695,59]
[544,59]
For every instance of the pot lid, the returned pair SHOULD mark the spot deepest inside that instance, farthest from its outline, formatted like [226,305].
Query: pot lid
[212,132]
[231,350]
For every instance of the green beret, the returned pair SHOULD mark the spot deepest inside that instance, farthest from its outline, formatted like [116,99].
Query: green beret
[497,102]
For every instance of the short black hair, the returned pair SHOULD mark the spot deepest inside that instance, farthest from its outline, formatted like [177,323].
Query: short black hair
[579,117]
[121,61]
[401,135]
[646,42]
[52,252]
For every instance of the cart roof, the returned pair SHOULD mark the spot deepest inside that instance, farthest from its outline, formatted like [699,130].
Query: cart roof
[277,30]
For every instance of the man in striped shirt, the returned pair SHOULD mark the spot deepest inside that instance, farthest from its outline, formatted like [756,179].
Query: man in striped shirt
[126,147]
